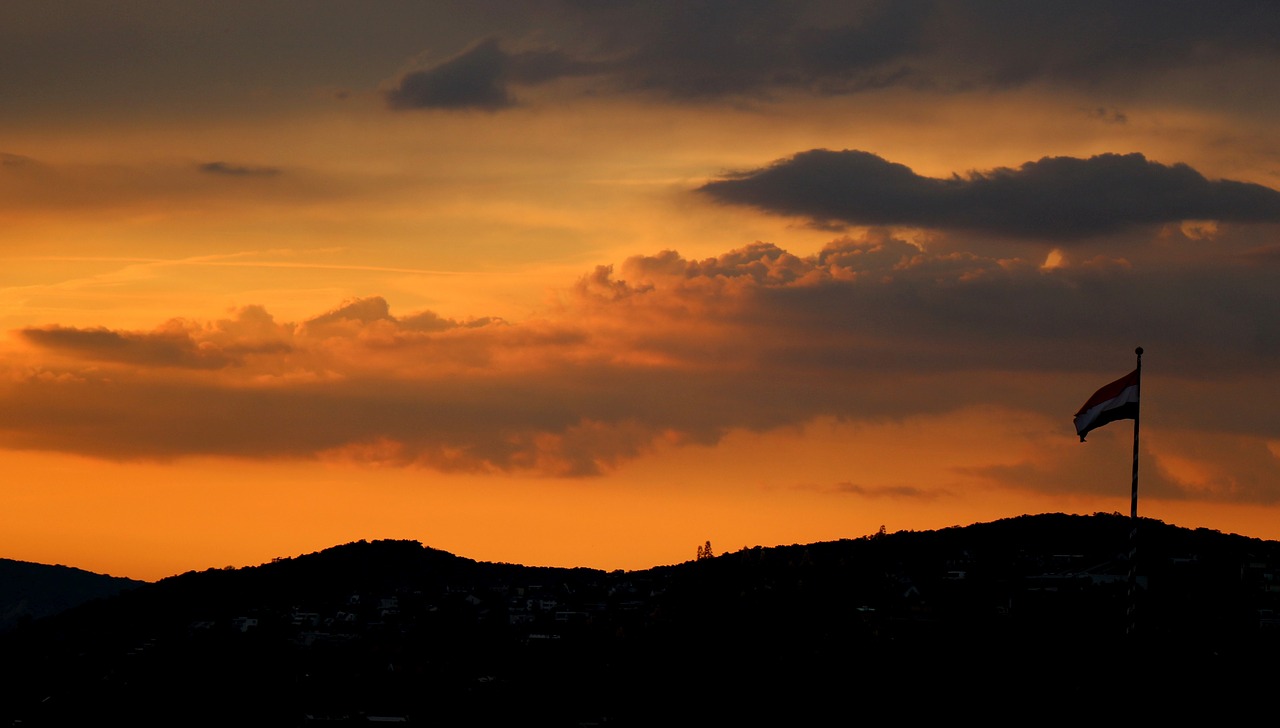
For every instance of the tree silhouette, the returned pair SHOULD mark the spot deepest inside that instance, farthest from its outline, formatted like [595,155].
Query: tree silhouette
[704,552]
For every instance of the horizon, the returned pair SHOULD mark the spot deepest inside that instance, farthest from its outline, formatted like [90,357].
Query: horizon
[557,285]
[698,554]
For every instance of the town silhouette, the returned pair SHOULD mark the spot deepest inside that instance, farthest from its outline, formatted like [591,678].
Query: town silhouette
[964,621]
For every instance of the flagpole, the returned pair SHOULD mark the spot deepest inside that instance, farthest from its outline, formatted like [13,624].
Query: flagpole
[1133,507]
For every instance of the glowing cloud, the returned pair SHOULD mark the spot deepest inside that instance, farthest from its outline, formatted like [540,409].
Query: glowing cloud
[667,350]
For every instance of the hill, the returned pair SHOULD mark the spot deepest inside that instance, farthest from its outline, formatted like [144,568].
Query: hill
[30,591]
[966,621]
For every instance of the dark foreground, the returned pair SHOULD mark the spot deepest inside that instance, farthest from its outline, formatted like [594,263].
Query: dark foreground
[1021,620]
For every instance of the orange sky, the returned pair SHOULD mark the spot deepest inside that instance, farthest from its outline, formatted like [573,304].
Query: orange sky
[589,287]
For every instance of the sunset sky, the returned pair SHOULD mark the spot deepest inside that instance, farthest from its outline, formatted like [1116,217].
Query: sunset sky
[592,283]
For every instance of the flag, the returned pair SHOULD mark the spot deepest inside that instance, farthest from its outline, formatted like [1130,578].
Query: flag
[1115,401]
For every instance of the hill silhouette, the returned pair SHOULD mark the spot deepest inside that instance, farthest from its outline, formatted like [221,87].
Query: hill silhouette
[966,621]
[30,591]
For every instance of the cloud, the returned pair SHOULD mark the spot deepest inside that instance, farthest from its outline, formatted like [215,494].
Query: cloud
[176,344]
[14,161]
[151,349]
[474,79]
[360,311]
[661,351]
[685,50]
[28,185]
[877,302]
[238,170]
[681,49]
[1109,115]
[703,50]
[1054,198]
[906,492]
[479,78]
[1181,466]
[1008,43]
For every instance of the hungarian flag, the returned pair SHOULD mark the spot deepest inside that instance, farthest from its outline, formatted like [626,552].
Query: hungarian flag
[1115,401]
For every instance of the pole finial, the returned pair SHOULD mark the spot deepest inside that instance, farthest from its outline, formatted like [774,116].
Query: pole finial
[1138,351]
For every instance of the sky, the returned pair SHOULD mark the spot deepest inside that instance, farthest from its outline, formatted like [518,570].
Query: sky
[574,283]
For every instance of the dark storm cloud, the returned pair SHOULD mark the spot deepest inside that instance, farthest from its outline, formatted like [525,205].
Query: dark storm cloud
[1057,198]
[705,49]
[478,78]
[68,54]
[688,50]
[473,80]
[1011,42]
[238,170]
